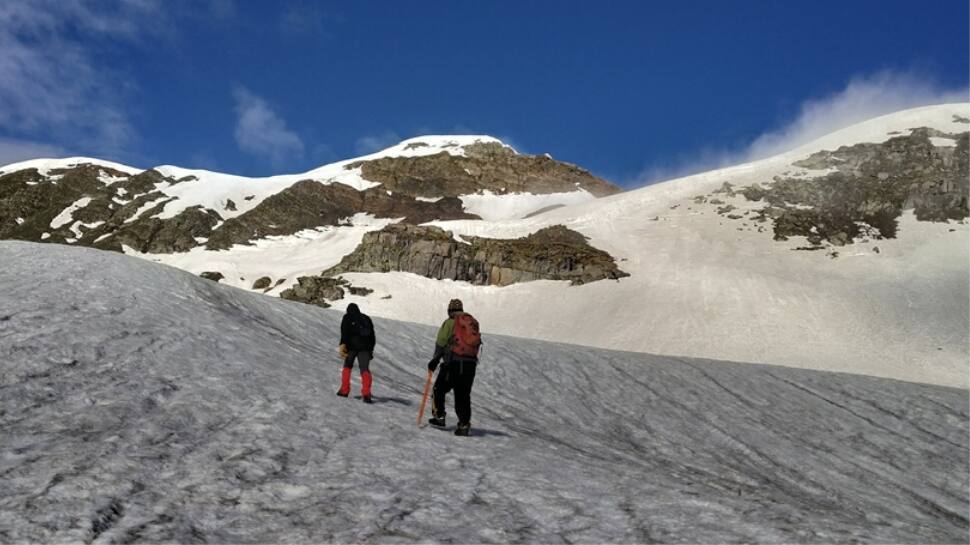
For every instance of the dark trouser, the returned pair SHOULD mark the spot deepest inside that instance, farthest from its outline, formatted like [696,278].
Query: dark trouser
[457,374]
[363,358]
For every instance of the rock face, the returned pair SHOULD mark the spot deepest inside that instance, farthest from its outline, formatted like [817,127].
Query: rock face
[309,204]
[554,253]
[869,187]
[111,209]
[490,166]
[113,214]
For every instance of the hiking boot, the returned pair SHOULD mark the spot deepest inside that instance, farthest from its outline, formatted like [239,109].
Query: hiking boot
[367,399]
[342,393]
[437,421]
[463,429]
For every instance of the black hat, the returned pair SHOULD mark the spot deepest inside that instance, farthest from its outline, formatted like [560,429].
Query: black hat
[455,305]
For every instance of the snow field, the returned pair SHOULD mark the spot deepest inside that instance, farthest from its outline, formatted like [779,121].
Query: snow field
[146,404]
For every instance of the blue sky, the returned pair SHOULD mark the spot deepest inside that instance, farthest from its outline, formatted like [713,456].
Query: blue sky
[634,91]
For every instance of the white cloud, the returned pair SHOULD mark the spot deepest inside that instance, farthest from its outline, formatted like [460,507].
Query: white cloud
[864,97]
[52,87]
[13,150]
[370,144]
[261,132]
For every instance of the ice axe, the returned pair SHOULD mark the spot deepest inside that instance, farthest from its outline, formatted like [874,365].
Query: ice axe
[424,397]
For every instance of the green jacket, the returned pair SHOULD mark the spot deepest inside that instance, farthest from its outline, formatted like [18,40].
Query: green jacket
[445,332]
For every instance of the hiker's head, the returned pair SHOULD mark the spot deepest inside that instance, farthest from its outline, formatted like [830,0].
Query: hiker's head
[454,306]
[353,309]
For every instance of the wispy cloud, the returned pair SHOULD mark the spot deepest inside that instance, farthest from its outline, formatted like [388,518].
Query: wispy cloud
[261,132]
[52,87]
[305,18]
[864,97]
[377,142]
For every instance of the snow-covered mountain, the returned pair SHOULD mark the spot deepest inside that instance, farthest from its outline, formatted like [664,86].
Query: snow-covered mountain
[139,403]
[851,253]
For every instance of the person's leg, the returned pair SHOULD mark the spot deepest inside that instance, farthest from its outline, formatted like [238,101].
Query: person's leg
[441,387]
[463,379]
[345,375]
[366,379]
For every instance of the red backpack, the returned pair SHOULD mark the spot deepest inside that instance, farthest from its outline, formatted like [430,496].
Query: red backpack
[467,339]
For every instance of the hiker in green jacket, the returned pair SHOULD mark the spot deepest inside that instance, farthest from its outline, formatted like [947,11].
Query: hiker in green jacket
[456,348]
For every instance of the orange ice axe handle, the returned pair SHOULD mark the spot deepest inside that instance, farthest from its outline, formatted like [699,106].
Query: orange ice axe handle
[424,397]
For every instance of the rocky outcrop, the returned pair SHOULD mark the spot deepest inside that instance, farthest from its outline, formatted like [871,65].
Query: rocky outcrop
[309,204]
[262,283]
[484,166]
[215,276]
[554,253]
[29,203]
[317,290]
[869,187]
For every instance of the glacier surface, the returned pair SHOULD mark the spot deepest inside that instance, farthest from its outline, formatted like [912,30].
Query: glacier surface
[139,403]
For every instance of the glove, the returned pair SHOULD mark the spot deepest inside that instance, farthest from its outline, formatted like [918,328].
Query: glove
[343,351]
[433,364]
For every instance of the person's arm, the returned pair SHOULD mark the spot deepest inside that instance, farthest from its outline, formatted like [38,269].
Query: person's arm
[372,342]
[345,330]
[445,332]
[441,343]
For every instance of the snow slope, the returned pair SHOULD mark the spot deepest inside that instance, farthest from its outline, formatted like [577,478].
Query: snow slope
[139,403]
[700,287]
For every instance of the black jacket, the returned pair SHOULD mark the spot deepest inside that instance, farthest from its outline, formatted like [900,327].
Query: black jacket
[357,330]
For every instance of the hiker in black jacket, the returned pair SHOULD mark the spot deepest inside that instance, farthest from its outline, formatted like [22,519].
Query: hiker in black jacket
[357,342]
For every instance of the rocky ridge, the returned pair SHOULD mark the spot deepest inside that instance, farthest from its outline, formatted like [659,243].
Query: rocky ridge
[94,205]
[484,166]
[863,193]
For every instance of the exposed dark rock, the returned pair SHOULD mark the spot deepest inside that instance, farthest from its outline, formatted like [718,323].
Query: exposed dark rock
[316,290]
[29,201]
[363,292]
[308,204]
[727,189]
[38,200]
[490,166]
[154,235]
[262,283]
[555,253]
[871,186]
[215,276]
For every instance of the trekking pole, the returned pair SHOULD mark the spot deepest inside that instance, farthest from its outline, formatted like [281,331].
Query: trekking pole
[424,397]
